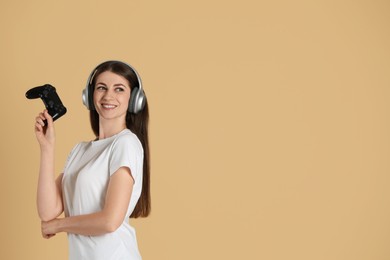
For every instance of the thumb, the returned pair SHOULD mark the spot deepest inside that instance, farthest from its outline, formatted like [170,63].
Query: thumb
[49,119]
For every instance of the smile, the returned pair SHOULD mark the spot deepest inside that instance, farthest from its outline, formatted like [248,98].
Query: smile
[106,106]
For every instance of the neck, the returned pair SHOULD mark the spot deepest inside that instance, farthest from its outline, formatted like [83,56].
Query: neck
[108,128]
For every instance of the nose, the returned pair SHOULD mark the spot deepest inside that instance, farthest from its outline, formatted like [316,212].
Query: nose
[109,94]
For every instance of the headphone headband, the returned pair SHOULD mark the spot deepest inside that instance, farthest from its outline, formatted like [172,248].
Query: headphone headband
[137,97]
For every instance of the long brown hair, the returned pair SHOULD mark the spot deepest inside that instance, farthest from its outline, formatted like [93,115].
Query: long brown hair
[137,123]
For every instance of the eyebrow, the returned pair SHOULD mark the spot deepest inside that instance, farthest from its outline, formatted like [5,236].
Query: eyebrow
[115,85]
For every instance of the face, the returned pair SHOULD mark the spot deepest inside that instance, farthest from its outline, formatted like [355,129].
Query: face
[111,96]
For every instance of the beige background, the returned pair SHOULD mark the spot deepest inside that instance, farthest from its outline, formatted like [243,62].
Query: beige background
[270,122]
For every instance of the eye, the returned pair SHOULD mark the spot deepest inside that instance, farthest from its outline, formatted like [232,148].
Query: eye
[119,89]
[101,87]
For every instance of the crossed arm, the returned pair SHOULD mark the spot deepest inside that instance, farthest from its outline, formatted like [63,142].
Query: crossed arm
[105,221]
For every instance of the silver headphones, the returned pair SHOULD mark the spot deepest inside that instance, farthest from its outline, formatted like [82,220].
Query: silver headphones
[137,98]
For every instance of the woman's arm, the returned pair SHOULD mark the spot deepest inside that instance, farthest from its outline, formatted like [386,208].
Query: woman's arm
[105,221]
[49,192]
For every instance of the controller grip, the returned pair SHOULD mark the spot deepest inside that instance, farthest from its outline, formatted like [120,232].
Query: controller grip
[33,93]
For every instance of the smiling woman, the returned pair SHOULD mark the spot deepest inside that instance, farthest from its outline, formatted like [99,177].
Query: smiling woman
[105,181]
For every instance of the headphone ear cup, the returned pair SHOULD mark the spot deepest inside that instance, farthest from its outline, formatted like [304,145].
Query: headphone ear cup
[88,98]
[132,100]
[137,100]
[85,97]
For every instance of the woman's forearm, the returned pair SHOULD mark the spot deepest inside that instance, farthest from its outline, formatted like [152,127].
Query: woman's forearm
[49,198]
[94,224]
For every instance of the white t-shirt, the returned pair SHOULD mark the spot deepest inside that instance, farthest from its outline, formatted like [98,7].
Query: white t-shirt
[84,184]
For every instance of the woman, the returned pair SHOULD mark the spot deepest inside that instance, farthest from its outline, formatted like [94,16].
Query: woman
[105,181]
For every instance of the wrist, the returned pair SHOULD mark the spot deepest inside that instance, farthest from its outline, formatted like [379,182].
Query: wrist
[47,149]
[58,225]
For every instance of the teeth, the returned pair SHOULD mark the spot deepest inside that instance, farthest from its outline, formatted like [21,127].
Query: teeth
[108,106]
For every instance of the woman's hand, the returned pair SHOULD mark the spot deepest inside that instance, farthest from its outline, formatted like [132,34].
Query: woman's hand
[49,228]
[45,134]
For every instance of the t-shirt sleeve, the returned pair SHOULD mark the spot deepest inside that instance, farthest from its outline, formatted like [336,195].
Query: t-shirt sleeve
[127,152]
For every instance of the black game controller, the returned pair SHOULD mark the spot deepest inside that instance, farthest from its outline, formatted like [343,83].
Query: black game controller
[50,98]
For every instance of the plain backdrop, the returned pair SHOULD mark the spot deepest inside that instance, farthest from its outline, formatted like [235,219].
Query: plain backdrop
[269,122]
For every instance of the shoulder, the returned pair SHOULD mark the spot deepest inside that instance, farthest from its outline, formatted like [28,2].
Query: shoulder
[80,146]
[77,147]
[128,139]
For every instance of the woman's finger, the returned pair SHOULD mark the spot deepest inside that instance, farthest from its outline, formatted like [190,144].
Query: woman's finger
[39,120]
[38,126]
[48,118]
[42,116]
